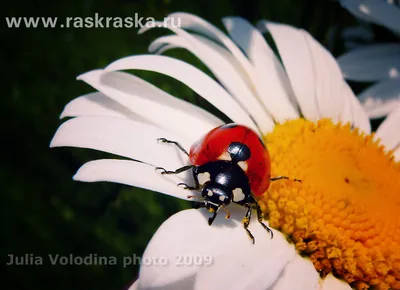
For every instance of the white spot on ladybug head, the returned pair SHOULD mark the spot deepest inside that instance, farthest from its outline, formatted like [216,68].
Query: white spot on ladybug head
[210,193]
[243,165]
[238,194]
[222,197]
[221,178]
[235,148]
[225,156]
[203,177]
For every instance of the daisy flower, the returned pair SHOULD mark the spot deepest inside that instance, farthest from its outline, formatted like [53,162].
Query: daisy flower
[338,228]
[374,63]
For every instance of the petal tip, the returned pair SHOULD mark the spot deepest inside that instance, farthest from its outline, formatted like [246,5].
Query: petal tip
[75,177]
[85,76]
[78,176]
[142,30]
[53,142]
[63,114]
[82,77]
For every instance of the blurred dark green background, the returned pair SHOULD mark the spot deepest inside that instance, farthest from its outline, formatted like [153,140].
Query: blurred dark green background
[43,210]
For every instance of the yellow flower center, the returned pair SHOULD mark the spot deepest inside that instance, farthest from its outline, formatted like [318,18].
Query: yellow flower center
[344,215]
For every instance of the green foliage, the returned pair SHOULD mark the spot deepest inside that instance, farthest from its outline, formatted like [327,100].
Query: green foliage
[44,210]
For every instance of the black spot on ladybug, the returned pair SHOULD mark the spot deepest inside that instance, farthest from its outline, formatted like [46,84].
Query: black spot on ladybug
[207,151]
[239,151]
[227,126]
[261,141]
[346,180]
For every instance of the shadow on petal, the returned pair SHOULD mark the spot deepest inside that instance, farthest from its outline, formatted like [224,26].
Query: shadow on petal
[185,283]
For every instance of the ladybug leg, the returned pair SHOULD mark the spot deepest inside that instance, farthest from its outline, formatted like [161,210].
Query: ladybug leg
[179,170]
[211,219]
[246,222]
[185,186]
[260,220]
[283,177]
[196,182]
[195,187]
[163,140]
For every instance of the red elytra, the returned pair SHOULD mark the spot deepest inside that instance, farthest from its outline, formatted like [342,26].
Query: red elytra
[216,142]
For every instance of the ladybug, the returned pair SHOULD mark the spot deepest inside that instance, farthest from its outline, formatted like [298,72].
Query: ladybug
[229,164]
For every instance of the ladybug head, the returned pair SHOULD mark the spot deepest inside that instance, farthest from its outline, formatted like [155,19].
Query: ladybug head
[215,196]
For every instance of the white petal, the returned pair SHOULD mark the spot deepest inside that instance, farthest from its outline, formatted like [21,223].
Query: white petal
[357,36]
[388,131]
[130,173]
[360,117]
[186,283]
[293,47]
[164,43]
[122,137]
[262,262]
[192,77]
[380,99]
[186,238]
[97,104]
[359,33]
[151,103]
[372,63]
[397,154]
[346,114]
[352,44]
[134,286]
[160,49]
[357,9]
[379,12]
[314,73]
[199,25]
[331,283]
[299,274]
[267,66]
[329,81]
[225,68]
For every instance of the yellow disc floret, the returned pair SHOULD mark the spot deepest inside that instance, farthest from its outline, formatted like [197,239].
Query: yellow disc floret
[344,215]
